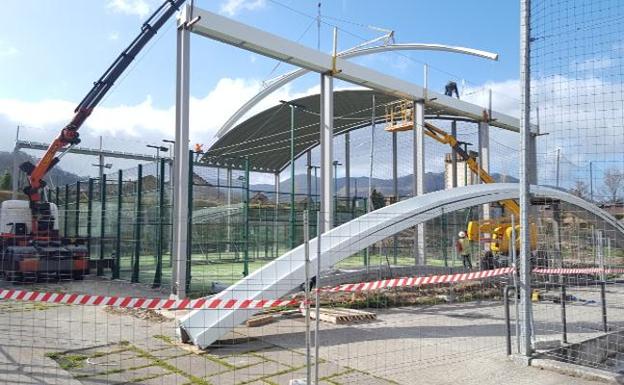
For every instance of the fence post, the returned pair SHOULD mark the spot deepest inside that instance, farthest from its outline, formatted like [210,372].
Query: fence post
[603,278]
[117,265]
[306,240]
[89,214]
[246,218]
[526,163]
[66,213]
[77,217]
[137,227]
[159,239]
[100,269]
[444,243]
[603,300]
[564,319]
[507,318]
[189,234]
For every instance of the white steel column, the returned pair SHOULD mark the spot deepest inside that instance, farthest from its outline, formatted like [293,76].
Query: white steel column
[419,176]
[395,168]
[309,178]
[454,156]
[181,158]
[276,216]
[228,245]
[347,139]
[327,153]
[484,157]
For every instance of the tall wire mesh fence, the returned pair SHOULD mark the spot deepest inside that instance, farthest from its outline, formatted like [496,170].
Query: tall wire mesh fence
[272,301]
[575,100]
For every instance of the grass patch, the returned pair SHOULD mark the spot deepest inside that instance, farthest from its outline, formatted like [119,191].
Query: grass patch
[167,366]
[220,362]
[164,338]
[68,361]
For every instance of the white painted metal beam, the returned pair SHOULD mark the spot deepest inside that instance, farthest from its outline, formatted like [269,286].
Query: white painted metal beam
[30,145]
[181,159]
[240,35]
[419,176]
[484,157]
[280,81]
[327,154]
[279,277]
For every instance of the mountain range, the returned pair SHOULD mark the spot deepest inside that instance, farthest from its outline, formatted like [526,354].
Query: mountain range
[56,177]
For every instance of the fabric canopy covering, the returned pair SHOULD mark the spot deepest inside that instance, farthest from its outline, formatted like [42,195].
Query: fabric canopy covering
[264,138]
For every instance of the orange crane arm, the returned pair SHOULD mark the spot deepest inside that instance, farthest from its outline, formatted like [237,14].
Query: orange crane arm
[69,134]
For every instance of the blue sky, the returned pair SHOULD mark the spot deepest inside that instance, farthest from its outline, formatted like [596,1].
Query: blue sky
[52,51]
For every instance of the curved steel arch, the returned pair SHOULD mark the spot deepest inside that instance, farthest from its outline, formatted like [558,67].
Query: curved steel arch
[203,327]
[280,81]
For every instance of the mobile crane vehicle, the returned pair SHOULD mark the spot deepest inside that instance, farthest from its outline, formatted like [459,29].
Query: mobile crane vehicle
[30,243]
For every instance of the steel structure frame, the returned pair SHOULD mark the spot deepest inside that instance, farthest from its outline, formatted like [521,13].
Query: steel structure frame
[207,24]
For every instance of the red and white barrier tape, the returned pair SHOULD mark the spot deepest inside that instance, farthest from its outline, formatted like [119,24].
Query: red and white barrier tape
[585,270]
[229,304]
[142,303]
[420,281]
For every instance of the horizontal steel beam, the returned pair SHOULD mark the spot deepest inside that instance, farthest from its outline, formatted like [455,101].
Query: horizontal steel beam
[240,35]
[280,81]
[87,151]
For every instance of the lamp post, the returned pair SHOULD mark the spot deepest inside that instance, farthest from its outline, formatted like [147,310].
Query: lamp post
[293,107]
[158,149]
[171,143]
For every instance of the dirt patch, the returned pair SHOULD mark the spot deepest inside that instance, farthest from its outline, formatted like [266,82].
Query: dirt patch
[395,297]
[144,314]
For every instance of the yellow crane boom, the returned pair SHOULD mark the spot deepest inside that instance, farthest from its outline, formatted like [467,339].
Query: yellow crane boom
[443,137]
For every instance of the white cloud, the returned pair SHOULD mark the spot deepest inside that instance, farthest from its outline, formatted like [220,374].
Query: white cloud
[233,7]
[143,120]
[140,8]
[505,96]
[593,64]
[7,49]
[113,36]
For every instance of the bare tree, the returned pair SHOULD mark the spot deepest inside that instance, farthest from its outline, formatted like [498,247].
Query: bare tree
[612,181]
[580,189]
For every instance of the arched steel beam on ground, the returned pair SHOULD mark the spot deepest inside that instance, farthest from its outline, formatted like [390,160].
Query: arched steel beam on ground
[203,327]
[280,81]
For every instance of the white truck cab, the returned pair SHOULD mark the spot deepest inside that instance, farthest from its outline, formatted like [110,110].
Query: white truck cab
[14,212]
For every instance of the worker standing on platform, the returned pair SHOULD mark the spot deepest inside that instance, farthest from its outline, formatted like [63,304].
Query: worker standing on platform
[451,87]
[463,248]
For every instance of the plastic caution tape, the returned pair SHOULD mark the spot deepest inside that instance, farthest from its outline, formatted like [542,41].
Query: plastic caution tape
[229,304]
[142,303]
[420,281]
[588,270]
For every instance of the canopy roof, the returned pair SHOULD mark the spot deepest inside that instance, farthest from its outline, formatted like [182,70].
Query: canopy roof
[265,137]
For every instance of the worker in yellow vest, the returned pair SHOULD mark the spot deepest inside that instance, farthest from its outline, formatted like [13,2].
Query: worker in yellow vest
[463,248]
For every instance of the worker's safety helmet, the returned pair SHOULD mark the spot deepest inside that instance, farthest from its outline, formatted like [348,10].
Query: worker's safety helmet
[462,234]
